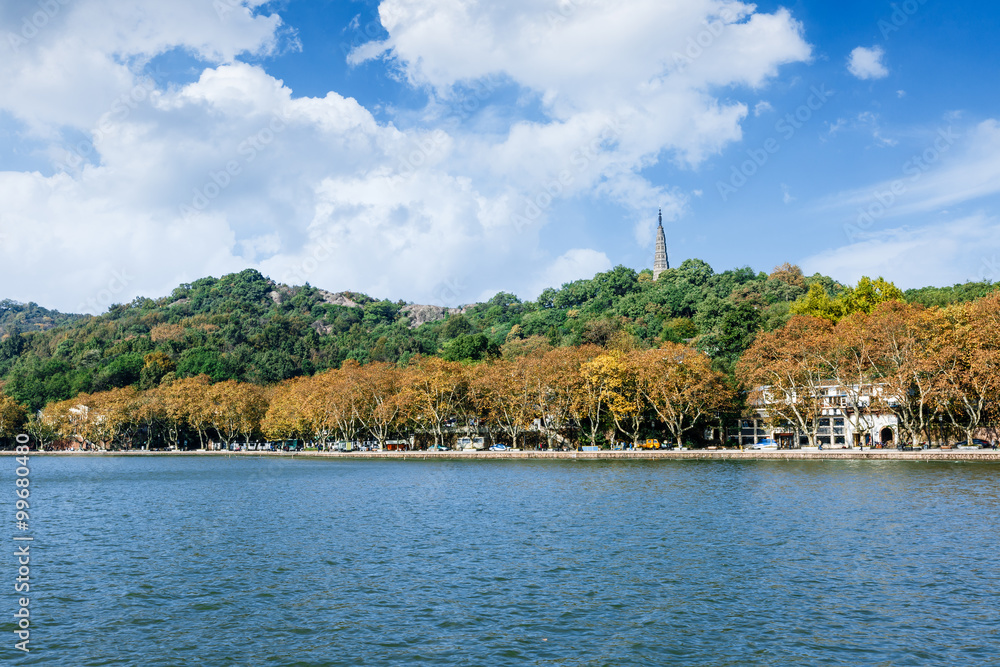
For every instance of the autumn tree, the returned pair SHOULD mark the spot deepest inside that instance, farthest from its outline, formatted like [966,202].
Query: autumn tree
[13,417]
[907,346]
[784,372]
[286,415]
[616,373]
[433,389]
[381,406]
[678,382]
[504,394]
[557,384]
[588,406]
[186,405]
[971,368]
[850,360]
[234,409]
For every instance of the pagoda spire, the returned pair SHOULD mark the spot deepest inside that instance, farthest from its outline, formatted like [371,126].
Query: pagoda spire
[661,262]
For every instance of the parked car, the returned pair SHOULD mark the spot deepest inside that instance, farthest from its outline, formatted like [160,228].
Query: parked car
[976,444]
[499,448]
[766,443]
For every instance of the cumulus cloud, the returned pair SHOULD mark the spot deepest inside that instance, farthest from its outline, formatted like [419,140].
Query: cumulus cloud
[866,63]
[163,183]
[573,265]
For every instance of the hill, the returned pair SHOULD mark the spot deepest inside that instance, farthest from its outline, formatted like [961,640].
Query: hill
[249,328]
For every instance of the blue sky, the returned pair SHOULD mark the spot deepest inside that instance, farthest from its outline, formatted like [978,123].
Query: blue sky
[439,152]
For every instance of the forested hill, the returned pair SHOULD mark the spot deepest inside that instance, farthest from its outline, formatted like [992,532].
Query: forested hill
[18,317]
[246,327]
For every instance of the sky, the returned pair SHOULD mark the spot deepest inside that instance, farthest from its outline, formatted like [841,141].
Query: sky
[440,151]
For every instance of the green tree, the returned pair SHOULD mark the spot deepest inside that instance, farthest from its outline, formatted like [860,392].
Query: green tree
[469,347]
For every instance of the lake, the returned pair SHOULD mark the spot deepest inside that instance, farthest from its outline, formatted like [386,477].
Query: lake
[247,561]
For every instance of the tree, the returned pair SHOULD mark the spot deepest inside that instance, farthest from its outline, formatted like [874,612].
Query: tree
[868,294]
[503,392]
[789,274]
[155,366]
[186,404]
[679,384]
[784,373]
[907,355]
[286,415]
[817,303]
[13,417]
[468,347]
[616,373]
[380,406]
[234,409]
[971,373]
[589,399]
[558,385]
[434,391]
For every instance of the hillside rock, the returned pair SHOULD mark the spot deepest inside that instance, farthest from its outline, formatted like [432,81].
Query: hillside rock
[418,314]
[341,299]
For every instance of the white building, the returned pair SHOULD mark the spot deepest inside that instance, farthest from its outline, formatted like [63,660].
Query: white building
[837,424]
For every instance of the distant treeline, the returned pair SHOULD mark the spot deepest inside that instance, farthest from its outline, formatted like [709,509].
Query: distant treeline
[246,328]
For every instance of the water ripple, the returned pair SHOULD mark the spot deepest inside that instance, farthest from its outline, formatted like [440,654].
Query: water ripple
[176,561]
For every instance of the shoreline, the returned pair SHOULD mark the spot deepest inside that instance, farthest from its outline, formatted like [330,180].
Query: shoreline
[985,455]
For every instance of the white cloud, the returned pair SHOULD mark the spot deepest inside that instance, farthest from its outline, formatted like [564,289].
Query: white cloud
[946,253]
[573,265]
[786,195]
[954,167]
[646,68]
[866,63]
[762,107]
[232,170]
[86,55]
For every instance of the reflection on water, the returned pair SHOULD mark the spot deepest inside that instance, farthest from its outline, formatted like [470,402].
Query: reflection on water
[183,561]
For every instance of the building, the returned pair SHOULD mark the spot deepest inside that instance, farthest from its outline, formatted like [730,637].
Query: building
[836,424]
[660,262]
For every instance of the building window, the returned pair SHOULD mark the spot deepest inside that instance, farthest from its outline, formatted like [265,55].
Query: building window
[839,421]
[840,440]
[824,421]
[823,439]
[747,441]
[747,423]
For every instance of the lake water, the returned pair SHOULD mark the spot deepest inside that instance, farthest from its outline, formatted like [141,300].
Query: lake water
[246,561]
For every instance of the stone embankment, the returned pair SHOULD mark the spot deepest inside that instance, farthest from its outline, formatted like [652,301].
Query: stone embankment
[693,455]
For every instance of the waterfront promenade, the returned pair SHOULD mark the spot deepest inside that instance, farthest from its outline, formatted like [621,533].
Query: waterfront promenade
[695,454]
